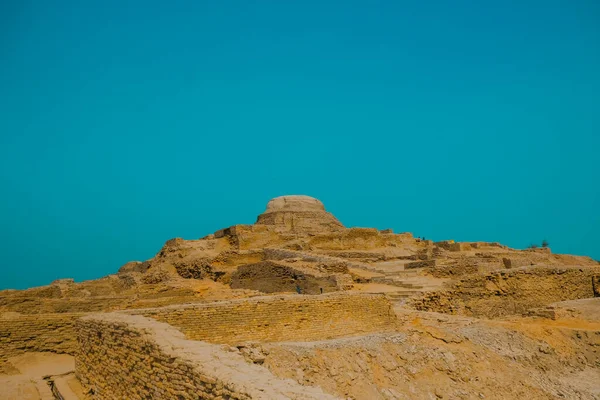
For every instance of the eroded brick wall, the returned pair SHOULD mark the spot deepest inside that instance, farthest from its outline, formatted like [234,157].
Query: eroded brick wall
[41,332]
[270,277]
[280,318]
[511,292]
[133,357]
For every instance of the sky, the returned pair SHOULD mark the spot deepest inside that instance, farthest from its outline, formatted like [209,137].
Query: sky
[126,123]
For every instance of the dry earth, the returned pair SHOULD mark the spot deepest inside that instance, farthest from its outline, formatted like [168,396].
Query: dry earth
[475,320]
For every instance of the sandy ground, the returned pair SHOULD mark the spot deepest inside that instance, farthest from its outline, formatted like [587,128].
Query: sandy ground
[29,384]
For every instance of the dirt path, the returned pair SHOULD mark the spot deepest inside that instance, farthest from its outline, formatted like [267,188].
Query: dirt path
[30,384]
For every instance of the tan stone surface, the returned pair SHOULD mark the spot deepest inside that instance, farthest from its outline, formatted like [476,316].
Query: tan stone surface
[298,214]
[270,318]
[294,203]
[510,292]
[28,381]
[36,333]
[273,277]
[18,387]
[134,357]
[542,341]
[443,356]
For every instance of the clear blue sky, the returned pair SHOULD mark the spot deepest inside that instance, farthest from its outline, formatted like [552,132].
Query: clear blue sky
[124,124]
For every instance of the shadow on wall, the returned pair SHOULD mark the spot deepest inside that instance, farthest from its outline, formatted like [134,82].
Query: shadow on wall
[270,277]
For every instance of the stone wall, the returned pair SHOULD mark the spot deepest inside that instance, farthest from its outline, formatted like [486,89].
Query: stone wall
[512,291]
[36,305]
[353,238]
[41,332]
[280,318]
[245,237]
[331,264]
[270,277]
[132,357]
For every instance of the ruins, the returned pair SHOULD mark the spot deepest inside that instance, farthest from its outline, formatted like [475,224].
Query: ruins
[298,306]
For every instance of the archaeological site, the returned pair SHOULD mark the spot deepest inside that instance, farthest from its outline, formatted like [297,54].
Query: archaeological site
[298,306]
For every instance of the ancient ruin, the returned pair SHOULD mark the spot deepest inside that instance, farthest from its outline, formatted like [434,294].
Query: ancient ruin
[298,306]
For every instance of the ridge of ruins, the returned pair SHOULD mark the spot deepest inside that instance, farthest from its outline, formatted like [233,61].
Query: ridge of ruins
[298,306]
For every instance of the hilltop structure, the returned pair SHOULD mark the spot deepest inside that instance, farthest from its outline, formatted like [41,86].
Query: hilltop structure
[298,306]
[299,214]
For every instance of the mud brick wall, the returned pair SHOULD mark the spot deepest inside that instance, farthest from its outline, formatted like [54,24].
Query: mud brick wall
[511,292]
[270,277]
[331,264]
[41,332]
[280,318]
[245,237]
[133,357]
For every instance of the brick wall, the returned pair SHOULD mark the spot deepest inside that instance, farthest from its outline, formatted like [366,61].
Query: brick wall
[41,332]
[133,357]
[511,292]
[271,277]
[331,264]
[280,318]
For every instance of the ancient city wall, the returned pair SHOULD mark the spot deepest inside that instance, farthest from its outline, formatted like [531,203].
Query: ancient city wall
[280,318]
[133,357]
[512,291]
[40,332]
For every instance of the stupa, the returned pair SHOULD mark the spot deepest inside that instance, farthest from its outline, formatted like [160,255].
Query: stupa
[299,214]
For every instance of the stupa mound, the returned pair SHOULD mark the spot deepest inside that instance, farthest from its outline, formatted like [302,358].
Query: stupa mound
[299,214]
[294,203]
